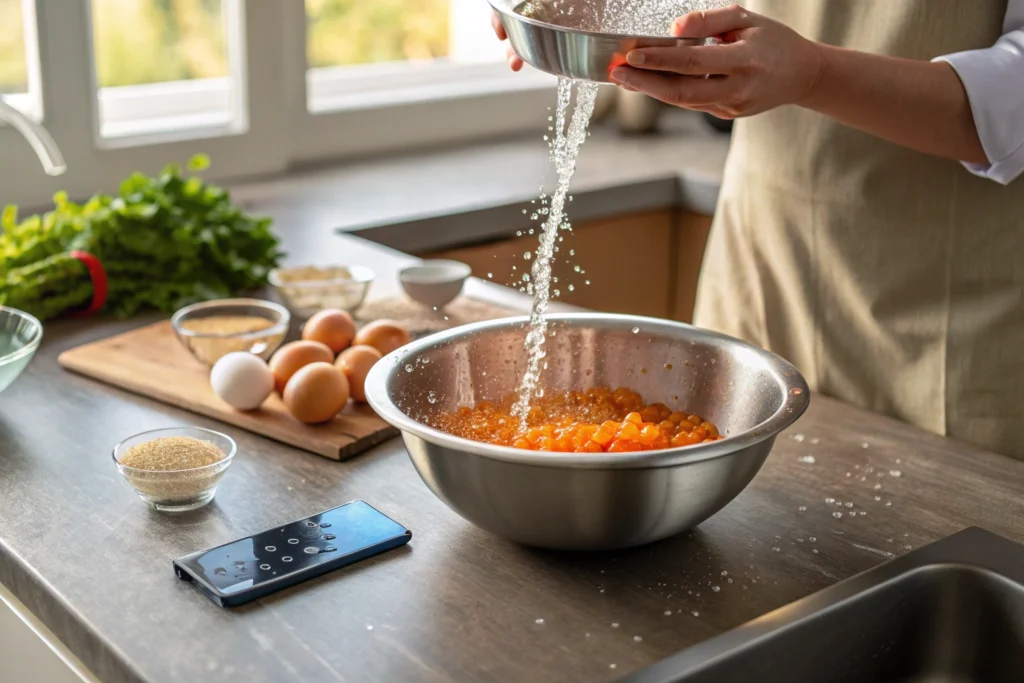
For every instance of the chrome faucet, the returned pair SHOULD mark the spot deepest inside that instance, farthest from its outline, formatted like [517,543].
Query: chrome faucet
[44,146]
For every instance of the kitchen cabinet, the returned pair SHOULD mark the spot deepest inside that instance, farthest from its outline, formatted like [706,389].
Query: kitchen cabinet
[640,263]
[29,652]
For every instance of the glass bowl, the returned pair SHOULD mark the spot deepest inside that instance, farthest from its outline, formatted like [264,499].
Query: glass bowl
[20,335]
[213,329]
[176,490]
[310,289]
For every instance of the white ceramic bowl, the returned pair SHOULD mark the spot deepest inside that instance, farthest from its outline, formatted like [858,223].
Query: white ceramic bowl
[434,283]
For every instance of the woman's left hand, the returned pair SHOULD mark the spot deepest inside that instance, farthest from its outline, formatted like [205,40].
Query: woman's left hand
[759,64]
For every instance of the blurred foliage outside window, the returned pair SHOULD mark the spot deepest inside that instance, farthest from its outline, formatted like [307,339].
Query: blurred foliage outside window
[349,32]
[13,76]
[155,41]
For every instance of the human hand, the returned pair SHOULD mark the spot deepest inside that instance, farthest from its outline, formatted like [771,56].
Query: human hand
[758,64]
[514,62]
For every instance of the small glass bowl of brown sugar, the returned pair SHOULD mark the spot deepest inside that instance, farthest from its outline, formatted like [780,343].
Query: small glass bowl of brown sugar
[212,329]
[175,470]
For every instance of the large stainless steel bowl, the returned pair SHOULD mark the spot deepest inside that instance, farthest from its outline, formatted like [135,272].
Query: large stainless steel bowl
[600,501]
[569,44]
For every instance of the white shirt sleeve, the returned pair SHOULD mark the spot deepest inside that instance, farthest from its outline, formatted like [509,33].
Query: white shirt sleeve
[994,80]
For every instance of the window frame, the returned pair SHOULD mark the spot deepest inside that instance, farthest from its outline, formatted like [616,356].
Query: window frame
[355,111]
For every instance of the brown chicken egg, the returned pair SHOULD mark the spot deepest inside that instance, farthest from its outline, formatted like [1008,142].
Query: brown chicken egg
[316,393]
[383,335]
[356,362]
[331,327]
[293,356]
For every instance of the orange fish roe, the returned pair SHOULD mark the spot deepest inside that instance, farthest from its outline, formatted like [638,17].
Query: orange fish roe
[594,421]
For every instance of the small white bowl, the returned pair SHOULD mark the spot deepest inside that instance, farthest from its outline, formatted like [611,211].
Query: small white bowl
[434,283]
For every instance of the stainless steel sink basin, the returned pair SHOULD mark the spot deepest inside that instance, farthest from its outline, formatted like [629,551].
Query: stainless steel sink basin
[952,612]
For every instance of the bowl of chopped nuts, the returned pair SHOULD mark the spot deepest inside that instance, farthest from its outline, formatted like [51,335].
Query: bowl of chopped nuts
[175,470]
[310,289]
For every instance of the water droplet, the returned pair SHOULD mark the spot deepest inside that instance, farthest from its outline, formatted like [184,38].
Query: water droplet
[776,549]
[895,473]
[888,503]
[271,548]
[799,438]
[635,330]
[725,573]
[431,397]
[865,445]
[310,550]
[716,588]
[878,487]
[813,539]
[862,513]
[615,624]
[293,541]
[310,524]
[323,525]
[830,501]
[490,275]
[807,459]
[369,627]
[286,558]
[538,621]
[668,613]
[802,508]
[612,666]
[695,613]
[837,514]
[815,551]
[408,368]
[265,567]
[527,256]
[220,571]
[849,505]
[878,499]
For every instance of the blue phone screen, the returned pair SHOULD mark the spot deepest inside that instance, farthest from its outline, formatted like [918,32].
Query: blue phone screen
[295,547]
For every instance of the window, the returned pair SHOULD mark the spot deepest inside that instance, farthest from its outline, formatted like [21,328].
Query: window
[258,85]
[19,75]
[161,65]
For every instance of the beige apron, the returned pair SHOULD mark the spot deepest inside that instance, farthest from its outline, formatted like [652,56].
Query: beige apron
[893,280]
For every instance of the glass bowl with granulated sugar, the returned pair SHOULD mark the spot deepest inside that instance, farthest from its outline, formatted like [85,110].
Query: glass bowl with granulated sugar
[175,470]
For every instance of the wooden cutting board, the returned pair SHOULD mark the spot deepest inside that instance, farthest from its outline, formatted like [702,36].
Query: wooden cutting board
[152,362]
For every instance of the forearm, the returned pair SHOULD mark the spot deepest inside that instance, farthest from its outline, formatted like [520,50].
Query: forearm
[917,104]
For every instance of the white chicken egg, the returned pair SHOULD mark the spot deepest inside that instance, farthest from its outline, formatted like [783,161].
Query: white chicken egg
[242,380]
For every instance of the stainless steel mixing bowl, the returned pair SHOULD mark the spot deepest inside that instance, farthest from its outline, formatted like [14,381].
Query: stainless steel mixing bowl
[599,501]
[571,47]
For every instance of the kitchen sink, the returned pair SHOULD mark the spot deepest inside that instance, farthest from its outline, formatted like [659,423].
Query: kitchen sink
[951,612]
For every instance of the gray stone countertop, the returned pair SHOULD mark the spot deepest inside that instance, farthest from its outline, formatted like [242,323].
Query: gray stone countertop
[444,198]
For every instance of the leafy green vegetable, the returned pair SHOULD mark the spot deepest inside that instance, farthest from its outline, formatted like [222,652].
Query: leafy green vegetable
[164,242]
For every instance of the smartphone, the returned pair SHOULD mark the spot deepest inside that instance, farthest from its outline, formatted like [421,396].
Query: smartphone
[251,568]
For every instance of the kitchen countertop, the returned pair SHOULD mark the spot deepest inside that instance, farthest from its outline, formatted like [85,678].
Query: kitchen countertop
[445,198]
[80,550]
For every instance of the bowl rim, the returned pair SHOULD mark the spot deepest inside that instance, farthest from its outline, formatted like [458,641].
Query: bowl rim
[797,395]
[281,326]
[33,344]
[360,275]
[453,272]
[649,41]
[225,461]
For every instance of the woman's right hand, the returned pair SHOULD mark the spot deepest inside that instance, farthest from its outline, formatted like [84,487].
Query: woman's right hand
[514,62]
